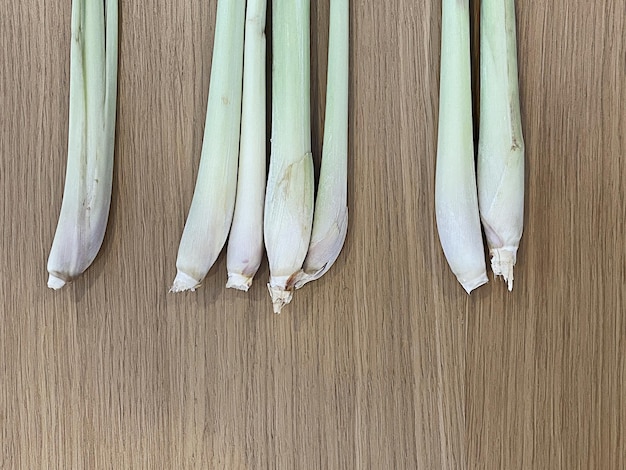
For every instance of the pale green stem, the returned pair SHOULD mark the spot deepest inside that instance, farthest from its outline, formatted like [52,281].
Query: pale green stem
[289,196]
[245,242]
[91,138]
[211,211]
[456,200]
[501,144]
[330,221]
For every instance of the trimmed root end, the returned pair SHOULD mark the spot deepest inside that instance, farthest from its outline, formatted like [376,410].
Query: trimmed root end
[502,262]
[280,296]
[470,284]
[238,281]
[184,282]
[55,282]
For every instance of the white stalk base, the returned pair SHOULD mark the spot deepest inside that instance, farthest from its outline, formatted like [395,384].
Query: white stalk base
[474,282]
[55,282]
[184,282]
[239,282]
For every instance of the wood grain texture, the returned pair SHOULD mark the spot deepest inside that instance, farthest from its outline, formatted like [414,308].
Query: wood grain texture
[383,363]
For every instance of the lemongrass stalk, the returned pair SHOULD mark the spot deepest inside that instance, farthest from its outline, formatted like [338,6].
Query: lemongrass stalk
[456,200]
[245,242]
[501,144]
[330,219]
[91,140]
[211,211]
[289,196]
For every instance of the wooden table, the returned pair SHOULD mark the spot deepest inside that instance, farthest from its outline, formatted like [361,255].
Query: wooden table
[385,363]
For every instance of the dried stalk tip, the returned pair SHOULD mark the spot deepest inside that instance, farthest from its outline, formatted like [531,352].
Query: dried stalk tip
[502,262]
[281,295]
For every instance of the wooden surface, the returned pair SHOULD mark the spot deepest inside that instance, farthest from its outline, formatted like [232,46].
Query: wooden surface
[385,362]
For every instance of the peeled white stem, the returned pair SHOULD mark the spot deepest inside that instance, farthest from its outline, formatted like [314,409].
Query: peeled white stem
[211,211]
[289,196]
[456,200]
[91,138]
[245,242]
[330,220]
[501,144]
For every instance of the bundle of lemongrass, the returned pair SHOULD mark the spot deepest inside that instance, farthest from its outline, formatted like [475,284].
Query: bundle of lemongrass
[230,198]
[499,200]
[302,240]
